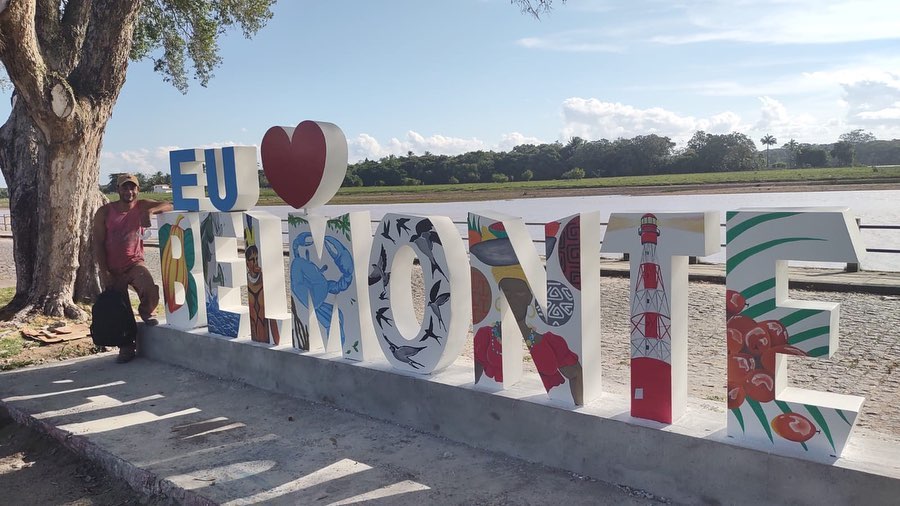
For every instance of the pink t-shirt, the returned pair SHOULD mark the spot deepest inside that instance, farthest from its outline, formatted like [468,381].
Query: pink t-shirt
[124,243]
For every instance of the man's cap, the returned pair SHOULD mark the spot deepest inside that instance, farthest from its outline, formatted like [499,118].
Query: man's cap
[126,178]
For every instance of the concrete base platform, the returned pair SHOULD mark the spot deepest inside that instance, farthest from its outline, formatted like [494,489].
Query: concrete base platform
[690,461]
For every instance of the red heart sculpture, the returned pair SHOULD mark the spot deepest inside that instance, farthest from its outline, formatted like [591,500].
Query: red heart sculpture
[294,160]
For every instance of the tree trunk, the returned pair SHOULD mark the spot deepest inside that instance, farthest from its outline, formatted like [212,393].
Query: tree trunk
[53,200]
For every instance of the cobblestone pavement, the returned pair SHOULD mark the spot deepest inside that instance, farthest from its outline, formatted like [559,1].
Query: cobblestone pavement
[867,362]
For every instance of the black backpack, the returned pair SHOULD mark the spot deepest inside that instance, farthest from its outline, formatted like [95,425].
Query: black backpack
[112,320]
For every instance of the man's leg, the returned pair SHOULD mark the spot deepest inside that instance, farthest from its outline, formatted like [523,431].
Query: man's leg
[120,282]
[148,292]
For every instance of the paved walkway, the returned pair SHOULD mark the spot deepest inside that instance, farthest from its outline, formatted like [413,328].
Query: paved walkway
[200,440]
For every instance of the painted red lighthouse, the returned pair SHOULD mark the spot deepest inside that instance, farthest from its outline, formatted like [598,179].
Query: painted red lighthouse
[651,342]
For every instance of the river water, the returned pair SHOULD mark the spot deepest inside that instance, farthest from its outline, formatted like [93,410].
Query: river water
[878,207]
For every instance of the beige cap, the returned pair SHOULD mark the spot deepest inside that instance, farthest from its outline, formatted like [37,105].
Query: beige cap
[126,178]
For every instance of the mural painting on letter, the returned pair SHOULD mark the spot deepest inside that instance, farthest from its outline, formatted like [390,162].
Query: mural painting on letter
[659,245]
[433,344]
[306,165]
[765,326]
[224,274]
[181,270]
[266,290]
[327,295]
[555,313]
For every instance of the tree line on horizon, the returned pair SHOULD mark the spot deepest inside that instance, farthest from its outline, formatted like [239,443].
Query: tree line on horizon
[639,155]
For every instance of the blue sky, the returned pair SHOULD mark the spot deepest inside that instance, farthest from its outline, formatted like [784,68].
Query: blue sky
[450,77]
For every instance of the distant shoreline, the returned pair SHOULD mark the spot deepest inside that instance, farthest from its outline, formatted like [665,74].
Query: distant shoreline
[505,193]
[685,189]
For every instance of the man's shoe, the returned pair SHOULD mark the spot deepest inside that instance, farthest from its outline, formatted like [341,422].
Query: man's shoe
[126,354]
[151,322]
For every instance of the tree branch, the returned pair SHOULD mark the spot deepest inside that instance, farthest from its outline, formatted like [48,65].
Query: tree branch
[20,53]
[100,72]
[75,21]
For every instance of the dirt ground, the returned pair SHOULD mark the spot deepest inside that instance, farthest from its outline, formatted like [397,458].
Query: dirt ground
[37,470]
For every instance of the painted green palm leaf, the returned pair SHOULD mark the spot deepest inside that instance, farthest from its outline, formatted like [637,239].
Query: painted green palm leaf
[295,221]
[739,417]
[188,247]
[191,296]
[163,235]
[341,225]
[761,416]
[738,258]
[840,413]
[808,334]
[733,232]
[761,287]
[759,309]
[817,416]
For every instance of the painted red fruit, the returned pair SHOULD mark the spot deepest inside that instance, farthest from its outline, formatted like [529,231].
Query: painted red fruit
[739,366]
[757,340]
[793,427]
[735,341]
[760,386]
[735,395]
[768,357]
[778,334]
[734,302]
[741,323]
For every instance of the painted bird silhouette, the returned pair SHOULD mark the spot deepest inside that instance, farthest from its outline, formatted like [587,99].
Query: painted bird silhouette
[386,232]
[425,238]
[379,273]
[436,300]
[405,353]
[401,225]
[429,332]
[380,317]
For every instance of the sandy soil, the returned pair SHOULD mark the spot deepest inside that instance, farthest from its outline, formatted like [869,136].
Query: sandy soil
[36,470]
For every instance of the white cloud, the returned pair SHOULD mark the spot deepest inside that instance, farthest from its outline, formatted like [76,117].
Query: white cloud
[616,26]
[511,140]
[367,146]
[145,160]
[591,118]
[783,22]
[578,41]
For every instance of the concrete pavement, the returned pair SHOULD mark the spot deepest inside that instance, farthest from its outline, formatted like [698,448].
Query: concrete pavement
[196,439]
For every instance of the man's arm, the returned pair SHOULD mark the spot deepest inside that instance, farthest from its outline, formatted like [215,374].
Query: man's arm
[151,207]
[98,233]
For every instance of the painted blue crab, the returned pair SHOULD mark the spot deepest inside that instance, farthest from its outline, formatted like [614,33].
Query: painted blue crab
[309,284]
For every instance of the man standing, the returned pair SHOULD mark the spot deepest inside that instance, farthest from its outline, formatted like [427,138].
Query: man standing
[119,249]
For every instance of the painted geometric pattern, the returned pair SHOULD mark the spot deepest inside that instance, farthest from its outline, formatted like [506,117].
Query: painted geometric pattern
[560,304]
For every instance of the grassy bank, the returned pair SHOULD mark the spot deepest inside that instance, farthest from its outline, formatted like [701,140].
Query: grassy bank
[487,191]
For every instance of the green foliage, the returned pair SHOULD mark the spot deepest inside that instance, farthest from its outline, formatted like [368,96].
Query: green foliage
[576,173]
[858,136]
[812,156]
[176,34]
[499,178]
[843,152]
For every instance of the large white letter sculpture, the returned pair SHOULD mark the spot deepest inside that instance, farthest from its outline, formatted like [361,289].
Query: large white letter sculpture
[659,245]
[326,286]
[556,311]
[306,166]
[266,289]
[437,341]
[182,273]
[225,274]
[765,326]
